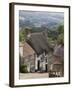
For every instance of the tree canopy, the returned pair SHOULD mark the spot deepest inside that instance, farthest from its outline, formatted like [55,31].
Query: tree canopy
[54,36]
[23,33]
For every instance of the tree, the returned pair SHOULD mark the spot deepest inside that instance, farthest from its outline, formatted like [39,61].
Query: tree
[61,39]
[60,29]
[23,33]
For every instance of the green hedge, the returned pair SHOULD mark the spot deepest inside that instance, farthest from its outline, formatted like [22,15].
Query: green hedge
[23,69]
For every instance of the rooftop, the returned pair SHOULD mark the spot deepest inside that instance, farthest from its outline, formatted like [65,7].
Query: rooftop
[38,41]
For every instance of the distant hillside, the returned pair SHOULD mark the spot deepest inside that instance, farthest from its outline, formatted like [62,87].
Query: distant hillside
[40,19]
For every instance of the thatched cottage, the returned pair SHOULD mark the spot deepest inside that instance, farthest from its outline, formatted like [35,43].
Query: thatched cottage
[57,65]
[35,52]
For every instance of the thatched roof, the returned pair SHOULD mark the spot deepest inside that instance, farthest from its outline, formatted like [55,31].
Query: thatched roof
[59,51]
[39,42]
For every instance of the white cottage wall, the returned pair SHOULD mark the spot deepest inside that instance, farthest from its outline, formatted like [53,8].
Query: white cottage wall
[42,61]
[36,61]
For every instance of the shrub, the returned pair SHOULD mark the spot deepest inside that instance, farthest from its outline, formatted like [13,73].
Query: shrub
[23,69]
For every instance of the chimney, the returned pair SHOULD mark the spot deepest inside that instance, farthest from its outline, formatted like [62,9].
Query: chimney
[29,35]
[45,33]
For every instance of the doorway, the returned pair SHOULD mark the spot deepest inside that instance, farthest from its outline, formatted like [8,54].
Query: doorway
[38,65]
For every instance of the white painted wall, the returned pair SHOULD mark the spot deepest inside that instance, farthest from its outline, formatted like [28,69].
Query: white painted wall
[42,64]
[21,51]
[36,62]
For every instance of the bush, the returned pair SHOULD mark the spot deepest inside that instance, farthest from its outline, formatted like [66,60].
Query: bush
[61,39]
[23,69]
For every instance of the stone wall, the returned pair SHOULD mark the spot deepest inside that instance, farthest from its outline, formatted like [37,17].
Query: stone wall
[29,61]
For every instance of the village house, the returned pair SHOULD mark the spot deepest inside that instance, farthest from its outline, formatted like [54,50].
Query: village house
[27,55]
[34,52]
[57,62]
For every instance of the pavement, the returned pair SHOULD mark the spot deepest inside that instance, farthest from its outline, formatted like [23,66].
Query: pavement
[33,75]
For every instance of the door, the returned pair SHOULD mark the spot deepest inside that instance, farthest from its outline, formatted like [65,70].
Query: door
[38,65]
[46,67]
